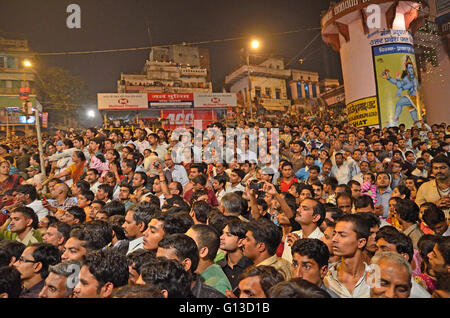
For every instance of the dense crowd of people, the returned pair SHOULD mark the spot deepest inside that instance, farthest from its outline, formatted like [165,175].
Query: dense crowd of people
[328,211]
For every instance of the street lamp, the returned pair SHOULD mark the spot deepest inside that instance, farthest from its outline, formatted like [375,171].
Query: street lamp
[254,45]
[27,63]
[90,113]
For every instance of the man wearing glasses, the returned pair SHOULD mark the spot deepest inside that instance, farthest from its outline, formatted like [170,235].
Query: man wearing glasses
[33,267]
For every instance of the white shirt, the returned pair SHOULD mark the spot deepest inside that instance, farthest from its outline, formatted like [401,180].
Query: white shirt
[229,188]
[418,291]
[287,254]
[179,174]
[38,208]
[94,187]
[361,289]
[342,173]
[136,244]
[142,145]
[447,233]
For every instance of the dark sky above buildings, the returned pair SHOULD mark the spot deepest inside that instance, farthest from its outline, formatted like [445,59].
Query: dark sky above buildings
[116,24]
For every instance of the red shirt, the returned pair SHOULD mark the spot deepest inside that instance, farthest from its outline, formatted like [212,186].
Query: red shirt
[284,187]
[211,197]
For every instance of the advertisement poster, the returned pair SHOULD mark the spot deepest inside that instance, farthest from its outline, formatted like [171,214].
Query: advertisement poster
[397,84]
[117,101]
[363,112]
[170,100]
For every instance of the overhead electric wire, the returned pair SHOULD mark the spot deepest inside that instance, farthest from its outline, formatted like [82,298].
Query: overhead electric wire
[166,45]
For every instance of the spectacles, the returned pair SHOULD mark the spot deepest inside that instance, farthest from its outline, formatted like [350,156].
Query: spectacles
[22,260]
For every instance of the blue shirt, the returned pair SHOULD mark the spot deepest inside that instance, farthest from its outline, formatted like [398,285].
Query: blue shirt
[302,174]
[383,199]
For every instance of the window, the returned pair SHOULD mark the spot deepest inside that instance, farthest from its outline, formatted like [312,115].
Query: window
[307,94]
[2,84]
[299,90]
[16,84]
[314,90]
[11,62]
[278,93]
[2,61]
[258,91]
[268,92]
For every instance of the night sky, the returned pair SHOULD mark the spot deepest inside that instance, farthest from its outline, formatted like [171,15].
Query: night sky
[113,24]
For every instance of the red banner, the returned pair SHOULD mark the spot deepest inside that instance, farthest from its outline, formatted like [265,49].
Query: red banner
[179,118]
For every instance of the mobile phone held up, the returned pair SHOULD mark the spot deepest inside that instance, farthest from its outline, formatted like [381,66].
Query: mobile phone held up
[256,186]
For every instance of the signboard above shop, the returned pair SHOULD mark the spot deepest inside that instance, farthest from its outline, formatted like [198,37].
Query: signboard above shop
[115,101]
[215,100]
[170,100]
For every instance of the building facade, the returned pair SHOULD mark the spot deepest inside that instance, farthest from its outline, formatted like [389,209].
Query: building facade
[263,84]
[175,69]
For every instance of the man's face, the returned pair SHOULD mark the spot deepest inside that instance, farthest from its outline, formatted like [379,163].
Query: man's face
[371,243]
[194,172]
[152,140]
[138,181]
[304,214]
[52,236]
[111,181]
[326,169]
[309,161]
[73,250]
[82,201]
[69,219]
[251,288]
[88,285]
[19,222]
[345,204]
[305,193]
[131,229]
[339,159]
[345,242]
[153,234]
[356,156]
[437,261]
[307,269]
[327,238]
[383,181]
[124,193]
[91,177]
[318,191]
[168,161]
[356,191]
[364,166]
[441,171]
[250,246]
[54,287]
[101,195]
[394,281]
[229,242]
[234,178]
[313,174]
[26,265]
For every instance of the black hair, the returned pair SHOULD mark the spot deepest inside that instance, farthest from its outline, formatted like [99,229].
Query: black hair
[404,191]
[28,213]
[425,245]
[130,163]
[200,179]
[10,282]
[83,185]
[268,276]
[360,226]
[62,228]
[217,220]
[139,257]
[46,254]
[432,214]
[207,237]
[407,210]
[28,189]
[266,232]
[143,213]
[363,201]
[201,210]
[12,249]
[443,245]
[137,291]
[184,246]
[116,222]
[297,288]
[403,243]
[108,189]
[312,248]
[443,283]
[78,213]
[107,266]
[89,195]
[104,230]
[168,275]
[441,158]
[114,207]
[371,218]
[336,213]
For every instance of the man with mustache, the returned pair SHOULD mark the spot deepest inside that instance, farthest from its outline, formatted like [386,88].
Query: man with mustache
[437,190]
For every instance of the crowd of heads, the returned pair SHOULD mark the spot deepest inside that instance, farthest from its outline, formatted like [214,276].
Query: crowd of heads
[329,211]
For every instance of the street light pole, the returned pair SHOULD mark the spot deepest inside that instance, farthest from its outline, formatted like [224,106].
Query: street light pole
[249,86]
